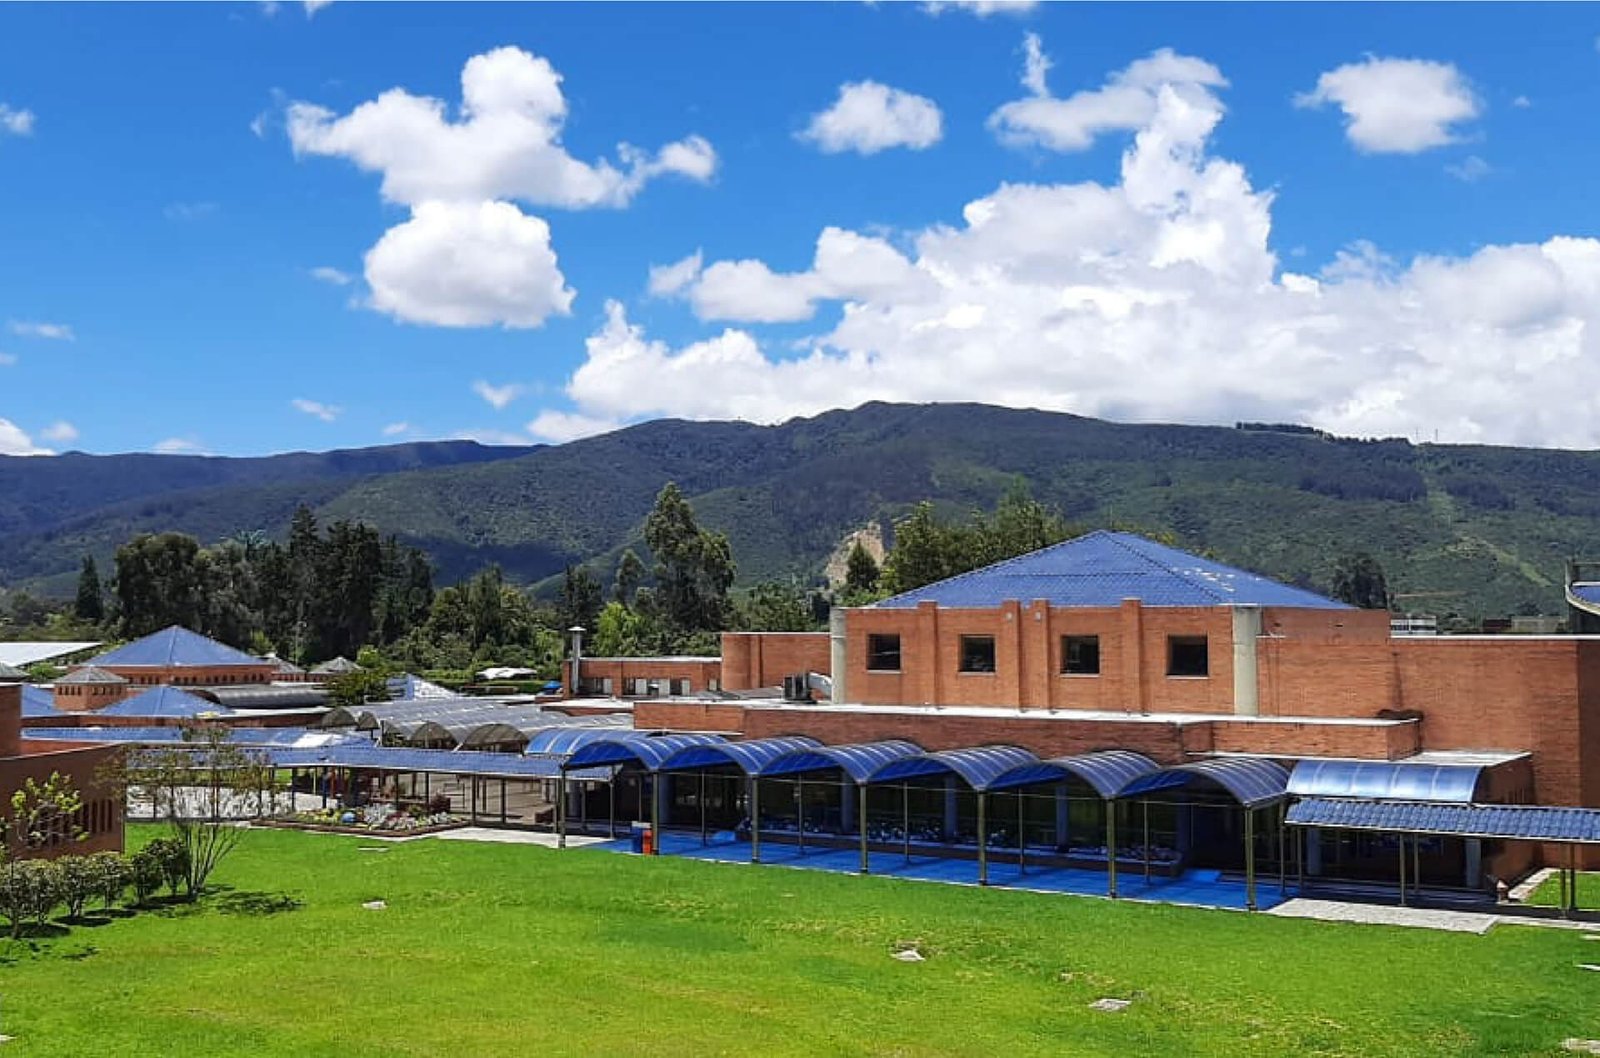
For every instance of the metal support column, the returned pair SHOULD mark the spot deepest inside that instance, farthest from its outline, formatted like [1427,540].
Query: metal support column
[702,800]
[800,813]
[472,813]
[1111,849]
[1283,816]
[755,820]
[655,814]
[1250,859]
[1402,870]
[561,813]
[905,820]
[983,841]
[1146,806]
[1022,839]
[861,822]
[611,807]
[502,802]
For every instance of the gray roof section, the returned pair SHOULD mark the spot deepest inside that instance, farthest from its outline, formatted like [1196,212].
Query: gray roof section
[91,674]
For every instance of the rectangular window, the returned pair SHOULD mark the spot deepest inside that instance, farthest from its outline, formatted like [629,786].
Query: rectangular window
[977,653]
[883,653]
[1080,655]
[1188,656]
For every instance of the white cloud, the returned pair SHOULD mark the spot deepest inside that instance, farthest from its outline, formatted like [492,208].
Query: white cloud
[1522,102]
[498,396]
[7,359]
[332,276]
[1397,106]
[559,427]
[59,332]
[506,143]
[869,117]
[981,8]
[1152,297]
[846,266]
[313,6]
[15,122]
[173,446]
[667,280]
[316,409]
[1127,100]
[60,432]
[1470,169]
[395,429]
[465,264]
[15,442]
[190,211]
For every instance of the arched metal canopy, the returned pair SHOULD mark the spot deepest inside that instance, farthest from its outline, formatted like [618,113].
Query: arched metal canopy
[569,737]
[858,761]
[751,757]
[1107,771]
[635,747]
[1251,781]
[1378,780]
[977,766]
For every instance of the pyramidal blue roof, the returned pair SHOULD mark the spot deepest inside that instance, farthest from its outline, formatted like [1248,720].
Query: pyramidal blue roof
[175,646]
[1102,569]
[36,701]
[163,701]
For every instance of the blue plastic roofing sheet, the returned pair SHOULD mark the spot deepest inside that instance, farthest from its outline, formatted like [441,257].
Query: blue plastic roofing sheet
[36,701]
[1107,771]
[1588,593]
[1253,782]
[978,766]
[635,747]
[1532,822]
[175,646]
[568,738]
[164,701]
[858,761]
[453,762]
[752,757]
[1384,780]
[1102,569]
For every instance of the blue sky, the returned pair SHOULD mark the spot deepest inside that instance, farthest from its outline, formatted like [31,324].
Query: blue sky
[242,229]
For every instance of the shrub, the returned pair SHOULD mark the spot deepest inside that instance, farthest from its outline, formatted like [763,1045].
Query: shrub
[438,804]
[172,859]
[29,891]
[113,875]
[144,874]
[80,880]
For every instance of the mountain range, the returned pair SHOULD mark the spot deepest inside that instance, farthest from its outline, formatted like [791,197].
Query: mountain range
[1473,530]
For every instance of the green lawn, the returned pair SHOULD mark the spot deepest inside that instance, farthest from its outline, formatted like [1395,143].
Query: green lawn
[512,950]
[1549,894]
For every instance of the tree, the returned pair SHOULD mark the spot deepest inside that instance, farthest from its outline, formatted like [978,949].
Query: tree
[158,582]
[196,787]
[352,689]
[621,633]
[90,604]
[1358,580]
[694,566]
[630,574]
[923,552]
[80,880]
[581,598]
[44,814]
[29,890]
[861,570]
[776,607]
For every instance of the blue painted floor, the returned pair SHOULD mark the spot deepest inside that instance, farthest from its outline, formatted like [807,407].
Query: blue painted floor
[1199,888]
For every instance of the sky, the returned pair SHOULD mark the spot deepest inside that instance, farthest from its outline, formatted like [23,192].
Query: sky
[249,228]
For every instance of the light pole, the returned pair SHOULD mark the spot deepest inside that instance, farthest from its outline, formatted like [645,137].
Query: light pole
[577,657]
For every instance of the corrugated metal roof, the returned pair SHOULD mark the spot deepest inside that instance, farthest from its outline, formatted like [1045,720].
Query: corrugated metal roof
[11,674]
[1528,822]
[267,696]
[635,747]
[858,761]
[977,766]
[175,646]
[164,701]
[1385,780]
[28,652]
[1107,771]
[1251,781]
[751,757]
[335,667]
[1102,569]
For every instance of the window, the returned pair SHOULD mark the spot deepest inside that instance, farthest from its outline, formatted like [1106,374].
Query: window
[977,653]
[883,653]
[680,688]
[1080,655]
[1188,656]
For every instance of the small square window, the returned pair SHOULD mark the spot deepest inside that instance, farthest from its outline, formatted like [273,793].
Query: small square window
[1080,655]
[1188,656]
[883,653]
[977,653]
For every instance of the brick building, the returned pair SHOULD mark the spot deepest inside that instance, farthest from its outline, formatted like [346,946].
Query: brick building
[101,819]
[173,657]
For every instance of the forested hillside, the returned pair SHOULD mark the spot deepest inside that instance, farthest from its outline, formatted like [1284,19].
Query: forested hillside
[1481,530]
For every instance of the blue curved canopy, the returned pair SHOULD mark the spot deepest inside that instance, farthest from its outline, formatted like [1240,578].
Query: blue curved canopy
[635,747]
[750,757]
[566,738]
[1251,781]
[1377,780]
[978,766]
[858,761]
[1108,771]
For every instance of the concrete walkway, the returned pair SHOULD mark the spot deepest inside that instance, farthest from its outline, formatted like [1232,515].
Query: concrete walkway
[514,837]
[1417,917]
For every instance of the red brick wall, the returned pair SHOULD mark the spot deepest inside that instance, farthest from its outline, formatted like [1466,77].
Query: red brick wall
[142,676]
[688,716]
[763,659]
[88,697]
[1389,741]
[700,672]
[81,762]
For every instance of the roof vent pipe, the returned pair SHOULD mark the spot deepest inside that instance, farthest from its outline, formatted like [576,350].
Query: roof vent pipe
[836,655]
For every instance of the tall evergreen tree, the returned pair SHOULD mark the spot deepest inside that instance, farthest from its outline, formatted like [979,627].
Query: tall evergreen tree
[630,574]
[581,599]
[1359,580]
[694,566]
[90,604]
[861,570]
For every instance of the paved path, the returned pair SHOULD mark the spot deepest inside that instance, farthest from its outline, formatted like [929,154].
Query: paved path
[514,837]
[1418,917]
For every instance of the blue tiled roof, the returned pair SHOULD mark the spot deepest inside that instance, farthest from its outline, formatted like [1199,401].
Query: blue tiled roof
[1102,569]
[175,646]
[163,701]
[1529,822]
[36,701]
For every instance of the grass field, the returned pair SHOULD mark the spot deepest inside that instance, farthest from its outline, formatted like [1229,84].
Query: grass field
[513,950]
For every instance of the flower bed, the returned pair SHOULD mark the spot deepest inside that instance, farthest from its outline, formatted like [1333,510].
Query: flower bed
[385,819]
